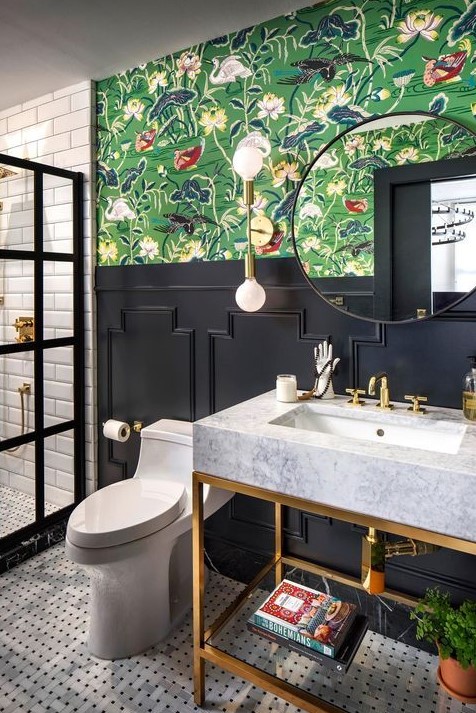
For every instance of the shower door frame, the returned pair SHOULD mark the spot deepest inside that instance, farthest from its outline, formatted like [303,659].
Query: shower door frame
[39,345]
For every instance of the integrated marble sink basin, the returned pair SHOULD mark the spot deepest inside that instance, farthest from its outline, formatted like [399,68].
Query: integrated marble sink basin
[427,480]
[396,428]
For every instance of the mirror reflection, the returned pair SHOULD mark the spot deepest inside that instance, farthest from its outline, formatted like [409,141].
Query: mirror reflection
[453,236]
[384,220]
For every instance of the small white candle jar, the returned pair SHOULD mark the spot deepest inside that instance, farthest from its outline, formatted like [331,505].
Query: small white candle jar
[286,388]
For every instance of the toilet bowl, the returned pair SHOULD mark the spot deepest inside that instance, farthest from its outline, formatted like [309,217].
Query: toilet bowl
[134,539]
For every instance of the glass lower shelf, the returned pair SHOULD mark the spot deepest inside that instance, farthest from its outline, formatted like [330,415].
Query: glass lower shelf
[385,675]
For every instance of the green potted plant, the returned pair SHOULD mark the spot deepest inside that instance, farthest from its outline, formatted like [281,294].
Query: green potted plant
[453,629]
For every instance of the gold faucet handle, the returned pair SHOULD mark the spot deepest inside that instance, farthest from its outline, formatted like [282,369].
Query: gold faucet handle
[355,393]
[416,400]
[19,323]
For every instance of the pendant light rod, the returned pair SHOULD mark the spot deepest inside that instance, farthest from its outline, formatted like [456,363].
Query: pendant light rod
[250,258]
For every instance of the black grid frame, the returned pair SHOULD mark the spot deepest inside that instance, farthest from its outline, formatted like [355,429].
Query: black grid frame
[39,257]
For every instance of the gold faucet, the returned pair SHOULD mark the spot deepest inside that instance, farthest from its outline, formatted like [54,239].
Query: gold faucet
[384,392]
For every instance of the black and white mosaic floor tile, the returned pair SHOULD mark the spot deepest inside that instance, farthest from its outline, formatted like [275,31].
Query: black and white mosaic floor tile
[17,510]
[45,665]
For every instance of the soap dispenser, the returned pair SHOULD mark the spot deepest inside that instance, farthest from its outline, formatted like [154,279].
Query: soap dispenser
[469,391]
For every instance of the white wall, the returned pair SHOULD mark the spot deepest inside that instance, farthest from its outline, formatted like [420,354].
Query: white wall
[56,129]
[452,265]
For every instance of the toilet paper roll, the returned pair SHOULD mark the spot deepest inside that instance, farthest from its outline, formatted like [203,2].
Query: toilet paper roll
[116,430]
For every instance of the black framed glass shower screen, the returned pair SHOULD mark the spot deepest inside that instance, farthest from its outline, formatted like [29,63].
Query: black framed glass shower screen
[46,240]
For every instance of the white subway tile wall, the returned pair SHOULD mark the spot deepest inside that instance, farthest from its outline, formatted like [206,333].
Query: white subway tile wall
[59,469]
[58,130]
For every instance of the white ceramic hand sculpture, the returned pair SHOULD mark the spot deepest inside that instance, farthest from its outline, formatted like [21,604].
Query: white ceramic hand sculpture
[324,369]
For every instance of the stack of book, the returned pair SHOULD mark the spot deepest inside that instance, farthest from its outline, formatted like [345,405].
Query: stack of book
[312,623]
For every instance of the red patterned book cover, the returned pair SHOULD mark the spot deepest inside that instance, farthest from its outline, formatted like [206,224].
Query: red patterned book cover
[307,616]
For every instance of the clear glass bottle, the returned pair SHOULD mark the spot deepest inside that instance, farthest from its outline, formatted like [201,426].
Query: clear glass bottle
[469,391]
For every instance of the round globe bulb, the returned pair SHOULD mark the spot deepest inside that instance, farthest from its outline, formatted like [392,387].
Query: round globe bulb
[250,296]
[247,162]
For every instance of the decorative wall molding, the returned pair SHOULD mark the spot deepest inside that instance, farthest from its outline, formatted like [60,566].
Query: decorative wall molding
[301,336]
[296,527]
[112,333]
[428,577]
[233,356]
[379,339]
[456,316]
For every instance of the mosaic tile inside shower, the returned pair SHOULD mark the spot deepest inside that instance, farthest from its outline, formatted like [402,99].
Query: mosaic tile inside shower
[45,665]
[17,510]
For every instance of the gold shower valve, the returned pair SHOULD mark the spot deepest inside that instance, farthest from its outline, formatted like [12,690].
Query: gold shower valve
[23,322]
[25,326]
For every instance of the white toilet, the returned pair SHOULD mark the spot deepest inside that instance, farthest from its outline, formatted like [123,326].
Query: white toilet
[134,538]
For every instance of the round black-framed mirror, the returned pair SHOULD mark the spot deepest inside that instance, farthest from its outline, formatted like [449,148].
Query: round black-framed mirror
[383,222]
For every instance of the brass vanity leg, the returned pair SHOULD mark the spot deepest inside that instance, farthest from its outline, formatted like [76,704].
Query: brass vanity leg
[198,591]
[278,541]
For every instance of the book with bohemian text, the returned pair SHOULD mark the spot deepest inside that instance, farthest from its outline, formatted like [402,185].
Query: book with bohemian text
[340,663]
[308,617]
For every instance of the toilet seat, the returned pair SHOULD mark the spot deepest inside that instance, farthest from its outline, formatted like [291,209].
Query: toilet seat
[126,511]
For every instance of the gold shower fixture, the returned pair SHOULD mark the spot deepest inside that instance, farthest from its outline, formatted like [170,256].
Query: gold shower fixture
[6,172]
[25,326]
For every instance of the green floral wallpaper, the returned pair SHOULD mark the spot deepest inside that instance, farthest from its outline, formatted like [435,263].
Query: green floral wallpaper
[167,130]
[334,216]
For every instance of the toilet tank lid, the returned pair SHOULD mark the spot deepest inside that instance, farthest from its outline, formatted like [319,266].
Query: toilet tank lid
[169,430]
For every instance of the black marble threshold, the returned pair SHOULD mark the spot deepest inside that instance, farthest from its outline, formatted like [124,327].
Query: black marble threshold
[33,545]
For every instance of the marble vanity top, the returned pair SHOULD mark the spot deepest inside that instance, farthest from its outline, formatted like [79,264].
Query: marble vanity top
[433,491]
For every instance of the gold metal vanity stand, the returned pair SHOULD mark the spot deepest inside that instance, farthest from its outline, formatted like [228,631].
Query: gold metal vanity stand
[203,651]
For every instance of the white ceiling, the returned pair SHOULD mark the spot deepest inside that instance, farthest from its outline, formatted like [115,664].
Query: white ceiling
[49,44]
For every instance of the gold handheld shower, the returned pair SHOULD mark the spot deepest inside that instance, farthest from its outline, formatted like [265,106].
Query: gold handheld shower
[22,390]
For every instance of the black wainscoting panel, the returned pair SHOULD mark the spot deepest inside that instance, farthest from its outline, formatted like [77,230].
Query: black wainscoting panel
[239,352]
[151,361]
[172,343]
[150,373]
[427,358]
[247,520]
